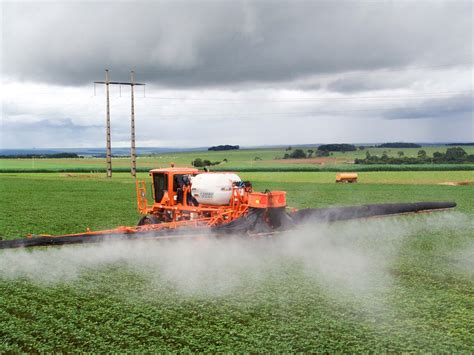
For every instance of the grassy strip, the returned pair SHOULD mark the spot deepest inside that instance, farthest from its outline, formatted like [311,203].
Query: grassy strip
[356,168]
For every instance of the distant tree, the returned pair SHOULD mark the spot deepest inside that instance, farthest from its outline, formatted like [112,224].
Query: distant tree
[198,163]
[257,158]
[310,153]
[461,144]
[207,163]
[225,160]
[298,154]
[338,147]
[361,147]
[289,148]
[455,154]
[42,156]
[322,153]
[399,145]
[224,147]
[286,156]
[422,154]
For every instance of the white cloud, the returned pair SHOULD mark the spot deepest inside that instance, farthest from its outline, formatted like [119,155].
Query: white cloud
[366,69]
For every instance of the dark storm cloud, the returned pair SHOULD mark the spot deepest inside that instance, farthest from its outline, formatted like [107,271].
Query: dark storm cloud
[366,82]
[62,124]
[47,133]
[182,44]
[447,108]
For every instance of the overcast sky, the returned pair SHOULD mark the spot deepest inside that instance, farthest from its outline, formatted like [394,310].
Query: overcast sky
[237,72]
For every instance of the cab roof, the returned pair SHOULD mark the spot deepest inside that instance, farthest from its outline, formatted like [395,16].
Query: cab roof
[174,170]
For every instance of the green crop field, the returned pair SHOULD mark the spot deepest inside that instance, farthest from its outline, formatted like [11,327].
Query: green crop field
[243,159]
[389,284]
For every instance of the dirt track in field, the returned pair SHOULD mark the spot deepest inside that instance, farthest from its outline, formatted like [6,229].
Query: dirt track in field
[458,183]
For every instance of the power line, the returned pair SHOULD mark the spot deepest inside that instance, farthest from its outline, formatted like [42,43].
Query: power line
[467,94]
[253,114]
[282,114]
[240,69]
[322,98]
[293,115]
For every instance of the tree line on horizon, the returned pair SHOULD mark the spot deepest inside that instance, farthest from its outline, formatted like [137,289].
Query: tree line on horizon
[43,156]
[223,147]
[453,155]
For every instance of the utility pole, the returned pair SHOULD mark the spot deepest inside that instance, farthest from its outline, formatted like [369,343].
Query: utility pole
[132,126]
[132,84]
[108,154]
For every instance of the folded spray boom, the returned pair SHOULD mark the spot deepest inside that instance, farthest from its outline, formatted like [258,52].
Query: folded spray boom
[255,222]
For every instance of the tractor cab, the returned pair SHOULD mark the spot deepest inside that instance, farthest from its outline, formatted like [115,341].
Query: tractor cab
[169,185]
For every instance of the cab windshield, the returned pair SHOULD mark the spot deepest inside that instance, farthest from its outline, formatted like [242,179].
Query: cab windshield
[160,183]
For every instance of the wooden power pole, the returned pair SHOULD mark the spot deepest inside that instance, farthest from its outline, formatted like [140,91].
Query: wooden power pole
[108,153]
[132,126]
[132,84]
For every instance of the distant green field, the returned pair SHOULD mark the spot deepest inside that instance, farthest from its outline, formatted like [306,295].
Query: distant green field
[402,284]
[382,177]
[42,203]
[243,159]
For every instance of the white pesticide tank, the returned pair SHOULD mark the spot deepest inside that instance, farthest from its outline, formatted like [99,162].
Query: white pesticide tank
[213,188]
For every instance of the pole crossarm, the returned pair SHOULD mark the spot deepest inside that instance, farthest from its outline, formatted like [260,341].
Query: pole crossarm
[116,83]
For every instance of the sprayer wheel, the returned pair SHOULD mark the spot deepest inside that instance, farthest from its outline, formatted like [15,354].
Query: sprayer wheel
[148,220]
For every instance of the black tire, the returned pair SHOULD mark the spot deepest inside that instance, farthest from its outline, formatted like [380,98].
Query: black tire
[148,220]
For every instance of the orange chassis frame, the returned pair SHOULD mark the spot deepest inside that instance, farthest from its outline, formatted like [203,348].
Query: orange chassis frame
[184,215]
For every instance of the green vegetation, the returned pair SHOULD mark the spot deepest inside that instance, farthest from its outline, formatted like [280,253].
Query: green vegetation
[271,168]
[399,145]
[454,155]
[337,147]
[420,300]
[199,163]
[347,167]
[461,144]
[271,159]
[296,154]
[301,154]
[379,178]
[224,147]
[42,156]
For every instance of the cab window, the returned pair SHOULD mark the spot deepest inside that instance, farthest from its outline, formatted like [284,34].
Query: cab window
[160,183]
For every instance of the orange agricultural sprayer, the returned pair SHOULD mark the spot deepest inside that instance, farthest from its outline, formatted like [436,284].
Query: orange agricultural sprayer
[190,203]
